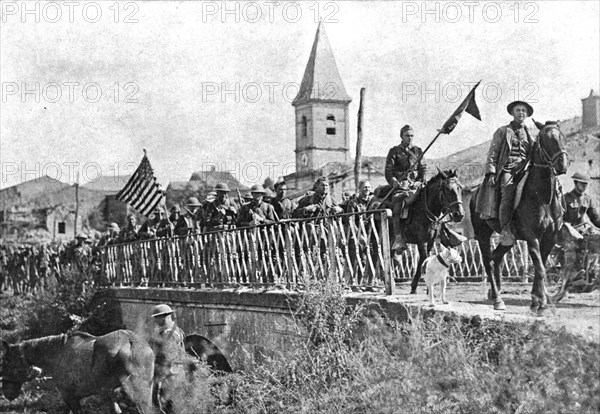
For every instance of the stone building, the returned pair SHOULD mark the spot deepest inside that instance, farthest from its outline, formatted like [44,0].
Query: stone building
[591,111]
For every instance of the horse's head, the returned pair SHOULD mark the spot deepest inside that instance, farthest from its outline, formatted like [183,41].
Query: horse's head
[15,370]
[552,150]
[450,193]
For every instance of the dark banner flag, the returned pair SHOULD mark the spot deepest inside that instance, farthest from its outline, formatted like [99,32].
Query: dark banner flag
[142,191]
[468,105]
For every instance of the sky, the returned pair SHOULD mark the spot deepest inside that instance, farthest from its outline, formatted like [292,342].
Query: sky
[86,86]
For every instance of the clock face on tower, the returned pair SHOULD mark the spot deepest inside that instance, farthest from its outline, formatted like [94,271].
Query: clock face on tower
[304,160]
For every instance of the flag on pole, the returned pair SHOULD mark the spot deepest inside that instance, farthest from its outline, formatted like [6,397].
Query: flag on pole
[468,105]
[142,191]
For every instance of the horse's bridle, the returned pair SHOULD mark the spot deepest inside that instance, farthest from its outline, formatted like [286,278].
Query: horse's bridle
[446,208]
[548,161]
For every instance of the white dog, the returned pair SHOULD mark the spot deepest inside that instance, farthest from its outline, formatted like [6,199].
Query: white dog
[435,270]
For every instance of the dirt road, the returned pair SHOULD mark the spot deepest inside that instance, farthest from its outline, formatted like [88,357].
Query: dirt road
[579,313]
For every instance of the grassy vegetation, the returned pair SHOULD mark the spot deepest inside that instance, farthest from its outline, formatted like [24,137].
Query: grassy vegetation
[354,360]
[353,363]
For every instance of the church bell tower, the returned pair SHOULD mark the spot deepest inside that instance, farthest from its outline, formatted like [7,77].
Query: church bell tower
[321,107]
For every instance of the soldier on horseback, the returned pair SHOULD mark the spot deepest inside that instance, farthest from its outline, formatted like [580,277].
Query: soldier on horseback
[508,156]
[405,172]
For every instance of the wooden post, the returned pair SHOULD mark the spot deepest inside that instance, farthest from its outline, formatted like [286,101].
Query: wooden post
[390,283]
[359,137]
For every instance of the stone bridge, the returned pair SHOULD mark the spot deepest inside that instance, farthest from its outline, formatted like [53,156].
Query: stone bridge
[247,324]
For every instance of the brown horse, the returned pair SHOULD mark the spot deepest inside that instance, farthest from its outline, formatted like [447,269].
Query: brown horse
[83,365]
[439,198]
[537,219]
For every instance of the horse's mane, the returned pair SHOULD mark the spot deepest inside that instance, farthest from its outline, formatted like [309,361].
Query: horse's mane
[32,343]
[55,339]
[81,334]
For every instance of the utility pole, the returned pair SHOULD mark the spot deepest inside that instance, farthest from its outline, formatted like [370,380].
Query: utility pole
[76,205]
[359,136]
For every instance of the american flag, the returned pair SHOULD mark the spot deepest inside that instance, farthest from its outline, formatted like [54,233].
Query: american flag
[142,191]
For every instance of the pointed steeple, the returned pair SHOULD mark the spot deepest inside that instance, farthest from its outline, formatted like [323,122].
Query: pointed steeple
[321,80]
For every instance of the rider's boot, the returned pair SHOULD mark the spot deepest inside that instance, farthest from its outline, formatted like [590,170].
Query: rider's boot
[506,237]
[399,244]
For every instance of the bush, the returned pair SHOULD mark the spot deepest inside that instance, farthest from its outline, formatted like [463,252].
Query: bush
[62,306]
[353,359]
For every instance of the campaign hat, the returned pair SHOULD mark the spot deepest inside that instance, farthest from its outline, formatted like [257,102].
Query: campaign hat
[160,310]
[512,105]
[584,178]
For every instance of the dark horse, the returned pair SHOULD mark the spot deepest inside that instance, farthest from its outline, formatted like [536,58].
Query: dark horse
[83,365]
[439,198]
[537,219]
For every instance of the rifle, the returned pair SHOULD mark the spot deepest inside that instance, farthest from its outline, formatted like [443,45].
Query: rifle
[241,200]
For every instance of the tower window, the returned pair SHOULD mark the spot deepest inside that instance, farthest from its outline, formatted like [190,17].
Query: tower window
[62,227]
[304,127]
[330,125]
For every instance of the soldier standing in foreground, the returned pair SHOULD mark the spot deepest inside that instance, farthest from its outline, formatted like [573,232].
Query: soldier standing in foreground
[167,346]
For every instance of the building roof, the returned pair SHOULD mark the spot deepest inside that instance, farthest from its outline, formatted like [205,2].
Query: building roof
[195,185]
[593,94]
[110,184]
[321,80]
[28,190]
[213,177]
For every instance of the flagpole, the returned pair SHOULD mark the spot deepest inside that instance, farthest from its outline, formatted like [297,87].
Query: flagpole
[448,128]
[76,205]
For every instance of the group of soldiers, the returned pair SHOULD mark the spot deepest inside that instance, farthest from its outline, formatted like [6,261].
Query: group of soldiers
[30,267]
[219,211]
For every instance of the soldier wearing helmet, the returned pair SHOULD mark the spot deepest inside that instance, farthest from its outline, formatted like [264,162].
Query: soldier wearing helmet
[168,347]
[583,215]
[256,211]
[220,214]
[580,206]
[189,223]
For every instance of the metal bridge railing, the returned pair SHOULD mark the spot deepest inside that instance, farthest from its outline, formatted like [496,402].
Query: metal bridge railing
[350,248]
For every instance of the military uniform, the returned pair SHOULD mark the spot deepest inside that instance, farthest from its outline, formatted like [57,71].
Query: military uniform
[405,170]
[283,207]
[129,234]
[256,212]
[325,205]
[357,204]
[219,216]
[578,206]
[164,228]
[399,160]
[148,229]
